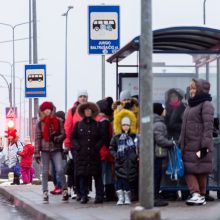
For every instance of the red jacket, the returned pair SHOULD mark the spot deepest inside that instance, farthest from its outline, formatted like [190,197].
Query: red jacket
[68,126]
[26,155]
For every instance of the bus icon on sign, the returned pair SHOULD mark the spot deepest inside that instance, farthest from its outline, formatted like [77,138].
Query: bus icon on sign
[35,77]
[103,24]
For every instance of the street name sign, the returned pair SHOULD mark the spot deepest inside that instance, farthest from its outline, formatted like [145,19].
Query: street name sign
[35,80]
[104,29]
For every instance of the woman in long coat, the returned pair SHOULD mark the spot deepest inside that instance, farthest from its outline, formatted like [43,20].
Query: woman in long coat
[87,141]
[196,140]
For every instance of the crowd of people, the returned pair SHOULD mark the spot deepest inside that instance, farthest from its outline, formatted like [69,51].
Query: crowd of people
[100,141]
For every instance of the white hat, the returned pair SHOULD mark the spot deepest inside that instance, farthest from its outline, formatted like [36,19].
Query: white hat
[125,94]
[82,93]
[125,121]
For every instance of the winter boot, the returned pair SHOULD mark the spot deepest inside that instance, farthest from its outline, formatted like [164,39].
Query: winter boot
[65,195]
[120,194]
[16,180]
[127,195]
[45,197]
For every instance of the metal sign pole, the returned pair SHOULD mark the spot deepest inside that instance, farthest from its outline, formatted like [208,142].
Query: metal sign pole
[103,76]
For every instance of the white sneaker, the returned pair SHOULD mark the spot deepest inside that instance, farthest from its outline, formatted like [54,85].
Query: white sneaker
[196,199]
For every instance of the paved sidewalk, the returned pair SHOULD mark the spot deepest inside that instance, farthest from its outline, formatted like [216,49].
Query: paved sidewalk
[29,197]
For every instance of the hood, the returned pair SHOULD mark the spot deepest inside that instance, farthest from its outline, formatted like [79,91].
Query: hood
[177,91]
[202,86]
[30,148]
[117,121]
[90,105]
[158,118]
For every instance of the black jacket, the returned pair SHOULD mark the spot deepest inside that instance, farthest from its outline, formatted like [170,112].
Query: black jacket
[125,167]
[87,140]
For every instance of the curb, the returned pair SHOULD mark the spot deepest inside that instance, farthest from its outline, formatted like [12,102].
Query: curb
[33,210]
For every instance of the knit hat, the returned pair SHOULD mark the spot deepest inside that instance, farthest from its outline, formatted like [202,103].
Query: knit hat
[82,93]
[60,114]
[125,121]
[105,106]
[46,105]
[125,94]
[158,108]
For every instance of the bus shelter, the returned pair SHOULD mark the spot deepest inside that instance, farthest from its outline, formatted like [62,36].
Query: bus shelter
[179,54]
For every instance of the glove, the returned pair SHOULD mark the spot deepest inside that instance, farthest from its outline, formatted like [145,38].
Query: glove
[204,152]
[174,143]
[37,158]
[65,150]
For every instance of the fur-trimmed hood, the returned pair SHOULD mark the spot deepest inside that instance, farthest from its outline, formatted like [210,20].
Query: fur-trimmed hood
[90,105]
[117,121]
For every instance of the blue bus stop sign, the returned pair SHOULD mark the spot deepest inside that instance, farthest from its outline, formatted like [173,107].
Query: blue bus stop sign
[35,81]
[104,29]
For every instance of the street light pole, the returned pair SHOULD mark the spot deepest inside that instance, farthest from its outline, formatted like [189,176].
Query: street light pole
[204,14]
[9,89]
[13,55]
[66,15]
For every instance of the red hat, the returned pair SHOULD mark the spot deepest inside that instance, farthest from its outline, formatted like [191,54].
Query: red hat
[46,105]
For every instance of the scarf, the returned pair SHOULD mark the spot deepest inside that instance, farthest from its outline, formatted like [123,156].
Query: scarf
[125,144]
[51,125]
[197,99]
[175,104]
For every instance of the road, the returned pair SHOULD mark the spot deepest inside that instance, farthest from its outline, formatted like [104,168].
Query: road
[8,211]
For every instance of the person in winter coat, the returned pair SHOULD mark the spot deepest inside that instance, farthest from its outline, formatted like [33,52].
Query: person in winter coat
[128,102]
[27,171]
[175,108]
[161,144]
[56,180]
[49,136]
[87,141]
[71,119]
[123,149]
[10,156]
[103,118]
[174,112]
[196,140]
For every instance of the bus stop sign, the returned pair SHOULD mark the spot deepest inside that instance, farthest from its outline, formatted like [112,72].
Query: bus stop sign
[104,29]
[35,81]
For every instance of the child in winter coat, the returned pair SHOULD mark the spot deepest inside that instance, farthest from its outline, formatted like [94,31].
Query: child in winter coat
[161,144]
[26,155]
[123,149]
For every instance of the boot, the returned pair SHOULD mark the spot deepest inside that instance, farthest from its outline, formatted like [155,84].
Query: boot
[65,195]
[45,197]
[127,197]
[121,198]
[16,180]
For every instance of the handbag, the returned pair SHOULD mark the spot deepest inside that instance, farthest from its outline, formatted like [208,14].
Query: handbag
[175,167]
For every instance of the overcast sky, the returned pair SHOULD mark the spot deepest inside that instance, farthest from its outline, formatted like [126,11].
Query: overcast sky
[84,71]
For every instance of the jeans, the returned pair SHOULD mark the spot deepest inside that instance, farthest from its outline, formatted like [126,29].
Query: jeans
[56,157]
[56,180]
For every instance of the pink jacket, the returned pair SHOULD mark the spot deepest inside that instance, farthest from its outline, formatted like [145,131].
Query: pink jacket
[68,126]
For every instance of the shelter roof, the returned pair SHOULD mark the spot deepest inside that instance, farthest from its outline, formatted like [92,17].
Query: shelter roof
[183,39]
